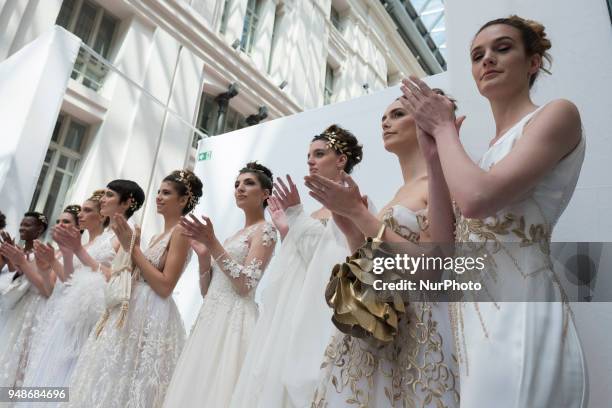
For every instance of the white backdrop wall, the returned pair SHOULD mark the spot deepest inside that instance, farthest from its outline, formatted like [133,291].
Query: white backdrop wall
[581,35]
[282,145]
[32,86]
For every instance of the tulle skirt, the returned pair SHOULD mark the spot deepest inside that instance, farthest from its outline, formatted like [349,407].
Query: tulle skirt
[65,330]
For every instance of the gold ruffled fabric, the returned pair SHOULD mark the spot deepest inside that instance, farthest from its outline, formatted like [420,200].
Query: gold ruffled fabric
[360,310]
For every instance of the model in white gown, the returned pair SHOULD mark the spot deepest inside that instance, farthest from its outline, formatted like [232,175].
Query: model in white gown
[210,364]
[17,334]
[131,366]
[66,327]
[417,369]
[532,346]
[279,370]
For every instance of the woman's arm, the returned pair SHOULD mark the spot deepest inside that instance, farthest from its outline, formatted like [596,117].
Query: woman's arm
[163,282]
[204,264]
[347,201]
[245,276]
[18,258]
[552,134]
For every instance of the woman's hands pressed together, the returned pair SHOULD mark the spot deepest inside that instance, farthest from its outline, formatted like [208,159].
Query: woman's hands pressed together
[124,232]
[344,199]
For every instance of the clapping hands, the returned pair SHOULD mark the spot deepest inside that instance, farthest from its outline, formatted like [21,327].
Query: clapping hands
[202,232]
[124,232]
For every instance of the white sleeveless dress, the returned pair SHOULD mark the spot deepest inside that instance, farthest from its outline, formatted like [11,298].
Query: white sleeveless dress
[282,365]
[132,366]
[17,334]
[521,354]
[210,364]
[418,369]
[76,307]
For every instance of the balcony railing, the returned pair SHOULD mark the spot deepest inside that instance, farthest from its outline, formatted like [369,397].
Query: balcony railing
[89,70]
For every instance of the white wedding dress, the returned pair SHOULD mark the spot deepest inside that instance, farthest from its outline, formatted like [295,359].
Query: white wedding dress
[522,354]
[209,366]
[282,364]
[417,369]
[18,331]
[76,307]
[131,366]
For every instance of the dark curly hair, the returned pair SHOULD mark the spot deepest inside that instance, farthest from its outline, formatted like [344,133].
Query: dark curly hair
[2,221]
[40,218]
[127,189]
[534,39]
[344,143]
[263,174]
[188,184]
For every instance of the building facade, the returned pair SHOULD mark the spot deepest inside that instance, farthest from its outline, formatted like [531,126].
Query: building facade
[154,76]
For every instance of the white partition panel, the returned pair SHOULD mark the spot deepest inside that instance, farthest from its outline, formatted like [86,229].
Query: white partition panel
[32,86]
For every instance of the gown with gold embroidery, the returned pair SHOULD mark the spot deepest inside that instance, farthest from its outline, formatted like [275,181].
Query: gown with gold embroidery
[417,369]
[527,353]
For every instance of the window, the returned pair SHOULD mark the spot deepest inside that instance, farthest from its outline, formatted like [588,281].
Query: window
[233,121]
[274,40]
[96,28]
[225,16]
[334,16]
[209,116]
[60,166]
[249,28]
[328,91]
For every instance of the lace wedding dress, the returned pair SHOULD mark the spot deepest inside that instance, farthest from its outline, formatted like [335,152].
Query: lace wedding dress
[131,366]
[282,364]
[209,366]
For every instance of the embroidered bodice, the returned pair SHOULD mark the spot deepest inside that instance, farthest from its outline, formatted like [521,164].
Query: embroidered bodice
[236,261]
[530,218]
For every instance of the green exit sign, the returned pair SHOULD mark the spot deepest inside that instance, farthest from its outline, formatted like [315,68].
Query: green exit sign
[205,156]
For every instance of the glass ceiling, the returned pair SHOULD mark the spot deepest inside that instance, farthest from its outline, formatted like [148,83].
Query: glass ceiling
[431,14]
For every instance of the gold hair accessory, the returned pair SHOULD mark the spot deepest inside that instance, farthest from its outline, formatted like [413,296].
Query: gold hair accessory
[336,144]
[97,195]
[134,206]
[193,200]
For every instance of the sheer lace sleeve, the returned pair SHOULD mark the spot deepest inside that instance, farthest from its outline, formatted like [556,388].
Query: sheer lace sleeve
[260,250]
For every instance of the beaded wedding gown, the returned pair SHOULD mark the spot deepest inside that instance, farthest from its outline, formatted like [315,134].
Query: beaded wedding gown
[131,366]
[282,363]
[527,353]
[76,307]
[210,364]
[417,369]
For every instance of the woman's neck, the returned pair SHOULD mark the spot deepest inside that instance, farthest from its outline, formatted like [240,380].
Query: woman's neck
[412,164]
[507,111]
[252,217]
[28,245]
[170,221]
[95,232]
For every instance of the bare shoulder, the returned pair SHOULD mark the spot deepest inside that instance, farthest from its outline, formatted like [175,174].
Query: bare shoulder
[178,238]
[558,122]
[560,114]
